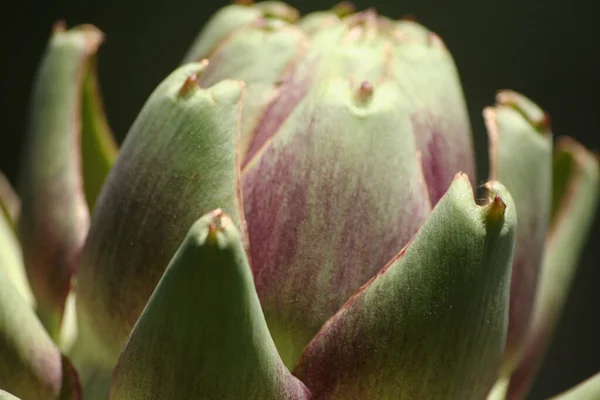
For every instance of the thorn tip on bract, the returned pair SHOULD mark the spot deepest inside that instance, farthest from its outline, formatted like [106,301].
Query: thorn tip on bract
[462,175]
[218,224]
[495,210]
[364,93]
[59,26]
[435,41]
[190,83]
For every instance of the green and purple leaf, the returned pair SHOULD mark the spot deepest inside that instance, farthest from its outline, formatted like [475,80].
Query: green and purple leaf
[330,199]
[178,161]
[521,158]
[207,294]
[63,167]
[575,198]
[263,55]
[432,324]
[427,75]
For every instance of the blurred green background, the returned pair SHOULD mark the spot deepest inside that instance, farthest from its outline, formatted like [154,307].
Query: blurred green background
[548,50]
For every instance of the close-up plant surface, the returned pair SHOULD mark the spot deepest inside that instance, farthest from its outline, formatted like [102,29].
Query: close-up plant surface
[295,213]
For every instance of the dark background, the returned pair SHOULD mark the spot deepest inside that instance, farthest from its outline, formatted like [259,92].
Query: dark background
[547,49]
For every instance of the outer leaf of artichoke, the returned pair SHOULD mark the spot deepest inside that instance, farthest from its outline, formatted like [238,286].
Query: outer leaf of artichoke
[178,162]
[521,158]
[62,149]
[576,194]
[11,257]
[432,323]
[203,334]
[31,365]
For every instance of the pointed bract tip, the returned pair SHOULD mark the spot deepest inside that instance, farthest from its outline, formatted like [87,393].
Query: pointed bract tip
[363,24]
[219,223]
[495,210]
[189,85]
[368,16]
[243,2]
[364,93]
[59,26]
[433,40]
[537,117]
[203,64]
[462,175]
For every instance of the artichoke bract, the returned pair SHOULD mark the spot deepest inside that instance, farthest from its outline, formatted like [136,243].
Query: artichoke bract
[292,215]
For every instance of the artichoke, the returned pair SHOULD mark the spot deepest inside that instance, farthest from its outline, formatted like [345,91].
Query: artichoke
[292,215]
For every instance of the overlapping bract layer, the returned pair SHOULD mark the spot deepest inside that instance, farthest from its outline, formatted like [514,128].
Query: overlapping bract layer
[339,108]
[332,141]
[57,185]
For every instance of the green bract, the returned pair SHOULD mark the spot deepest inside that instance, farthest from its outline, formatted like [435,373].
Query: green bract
[291,216]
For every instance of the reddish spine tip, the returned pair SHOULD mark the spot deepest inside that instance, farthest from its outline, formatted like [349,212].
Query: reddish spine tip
[495,210]
[435,41]
[546,123]
[190,83]
[59,26]
[364,94]
[243,2]
[216,225]
[216,213]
